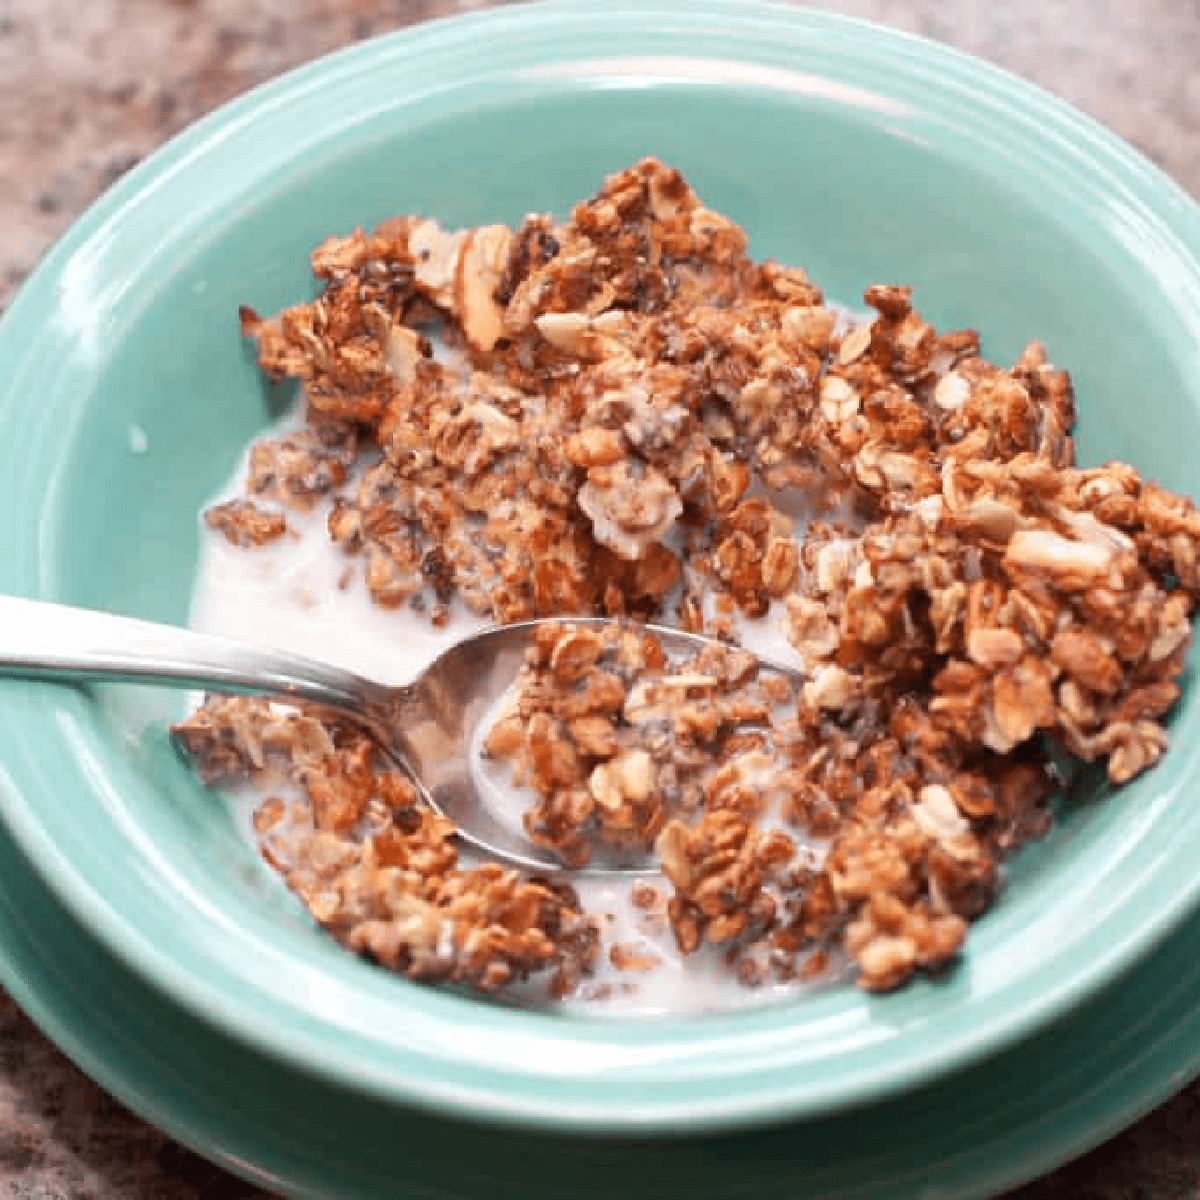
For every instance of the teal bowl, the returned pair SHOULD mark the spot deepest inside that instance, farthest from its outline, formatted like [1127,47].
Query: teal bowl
[860,153]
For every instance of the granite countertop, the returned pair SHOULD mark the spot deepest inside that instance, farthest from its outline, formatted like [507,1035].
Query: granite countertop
[90,86]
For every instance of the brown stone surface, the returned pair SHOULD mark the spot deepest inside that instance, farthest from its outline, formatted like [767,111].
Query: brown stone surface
[89,86]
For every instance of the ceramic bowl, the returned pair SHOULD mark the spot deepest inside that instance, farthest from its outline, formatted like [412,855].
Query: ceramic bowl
[126,394]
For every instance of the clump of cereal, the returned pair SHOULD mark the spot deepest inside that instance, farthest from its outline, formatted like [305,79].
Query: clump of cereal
[374,867]
[615,736]
[624,418]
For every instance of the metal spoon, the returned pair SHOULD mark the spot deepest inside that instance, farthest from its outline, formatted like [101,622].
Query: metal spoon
[427,726]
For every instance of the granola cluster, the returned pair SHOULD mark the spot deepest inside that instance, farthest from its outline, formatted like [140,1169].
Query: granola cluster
[623,414]
[616,736]
[784,833]
[343,826]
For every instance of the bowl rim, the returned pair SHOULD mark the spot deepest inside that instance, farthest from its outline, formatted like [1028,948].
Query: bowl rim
[477,41]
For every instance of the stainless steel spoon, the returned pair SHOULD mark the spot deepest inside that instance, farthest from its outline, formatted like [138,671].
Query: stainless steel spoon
[427,726]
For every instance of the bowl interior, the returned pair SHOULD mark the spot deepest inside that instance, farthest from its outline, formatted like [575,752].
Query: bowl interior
[151,395]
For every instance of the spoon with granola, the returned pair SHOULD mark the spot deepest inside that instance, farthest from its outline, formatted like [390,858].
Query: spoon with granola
[609,728]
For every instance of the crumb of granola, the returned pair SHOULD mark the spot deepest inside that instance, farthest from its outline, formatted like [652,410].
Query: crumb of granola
[626,409]
[244,523]
[632,958]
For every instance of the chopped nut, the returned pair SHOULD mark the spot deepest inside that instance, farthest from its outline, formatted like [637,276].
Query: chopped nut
[951,392]
[480,266]
[1069,564]
[405,350]
[575,653]
[436,254]
[627,778]
[566,331]
[854,345]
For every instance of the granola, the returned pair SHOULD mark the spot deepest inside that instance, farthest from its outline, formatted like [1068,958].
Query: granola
[622,414]
[376,868]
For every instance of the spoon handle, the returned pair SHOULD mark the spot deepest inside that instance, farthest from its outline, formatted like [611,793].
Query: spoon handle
[43,640]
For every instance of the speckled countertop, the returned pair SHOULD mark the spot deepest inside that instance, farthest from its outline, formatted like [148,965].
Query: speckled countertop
[89,86]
